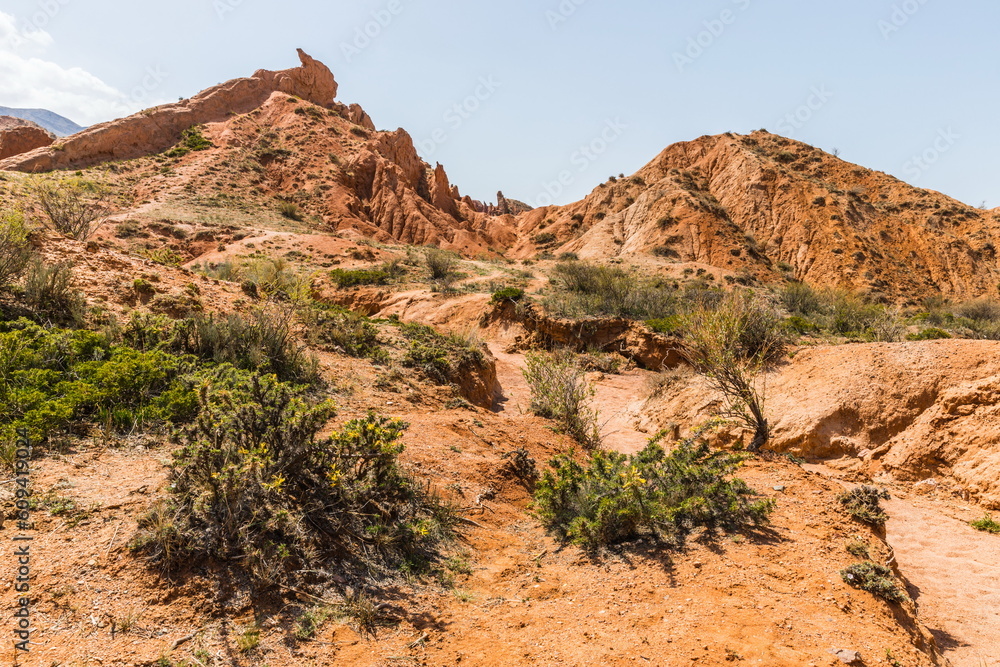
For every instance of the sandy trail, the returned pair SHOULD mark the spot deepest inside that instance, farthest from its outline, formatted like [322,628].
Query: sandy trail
[618,399]
[954,572]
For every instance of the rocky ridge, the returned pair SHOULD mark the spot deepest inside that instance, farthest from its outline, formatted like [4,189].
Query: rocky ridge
[769,207]
[20,136]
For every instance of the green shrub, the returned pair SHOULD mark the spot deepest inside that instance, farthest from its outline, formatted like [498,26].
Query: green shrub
[353,278]
[256,488]
[931,333]
[560,391]
[859,550]
[987,524]
[505,294]
[785,157]
[143,286]
[852,316]
[381,275]
[587,290]
[874,578]
[862,503]
[673,325]
[272,277]
[800,298]
[544,238]
[732,345]
[612,497]
[165,256]
[263,341]
[801,325]
[15,250]
[59,380]
[348,332]
[191,140]
[442,358]
[980,310]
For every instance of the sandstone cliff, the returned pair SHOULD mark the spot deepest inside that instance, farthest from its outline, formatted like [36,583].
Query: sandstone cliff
[917,411]
[19,136]
[157,129]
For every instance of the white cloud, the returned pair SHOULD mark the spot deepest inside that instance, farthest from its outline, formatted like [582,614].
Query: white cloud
[28,80]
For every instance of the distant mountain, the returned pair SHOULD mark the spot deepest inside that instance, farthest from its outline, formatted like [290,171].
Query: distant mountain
[53,122]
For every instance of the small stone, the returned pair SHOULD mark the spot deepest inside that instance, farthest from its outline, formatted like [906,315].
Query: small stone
[847,656]
[779,488]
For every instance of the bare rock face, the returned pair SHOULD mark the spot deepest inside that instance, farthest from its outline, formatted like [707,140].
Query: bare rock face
[442,195]
[939,417]
[360,117]
[19,136]
[393,194]
[157,129]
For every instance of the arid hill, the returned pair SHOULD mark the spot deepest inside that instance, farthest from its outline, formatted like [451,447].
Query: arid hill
[765,205]
[281,137]
[157,129]
[20,136]
[266,205]
[751,207]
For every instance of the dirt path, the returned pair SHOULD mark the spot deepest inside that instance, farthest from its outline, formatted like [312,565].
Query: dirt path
[954,572]
[618,399]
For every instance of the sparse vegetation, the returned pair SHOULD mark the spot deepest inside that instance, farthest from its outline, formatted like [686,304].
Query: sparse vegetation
[346,331]
[50,295]
[440,263]
[263,341]
[858,549]
[732,345]
[987,524]
[611,497]
[380,275]
[442,358]
[874,578]
[505,294]
[192,139]
[75,207]
[15,249]
[290,210]
[560,391]
[930,333]
[591,289]
[311,621]
[266,277]
[862,503]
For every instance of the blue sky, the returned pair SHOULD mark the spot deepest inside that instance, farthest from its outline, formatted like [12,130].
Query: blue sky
[587,87]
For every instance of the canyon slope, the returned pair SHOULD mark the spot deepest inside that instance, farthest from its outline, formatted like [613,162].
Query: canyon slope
[770,207]
[749,208]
